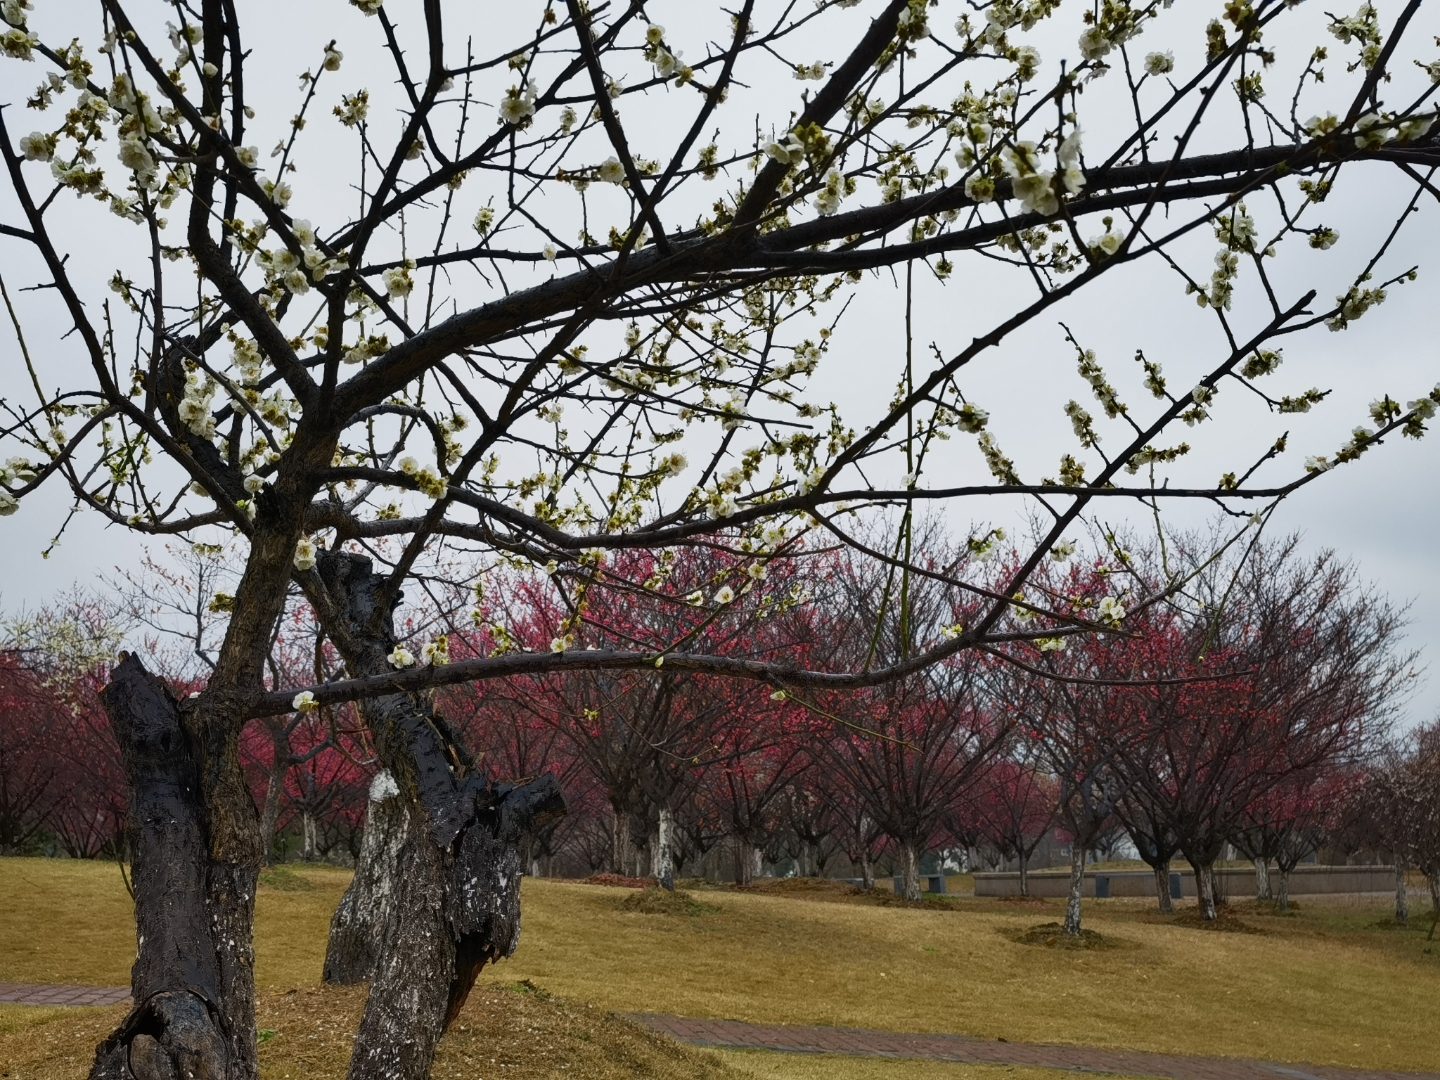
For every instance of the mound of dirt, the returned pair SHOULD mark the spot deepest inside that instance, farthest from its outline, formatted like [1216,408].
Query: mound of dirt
[309,1032]
[619,881]
[1023,901]
[658,901]
[1226,921]
[1053,936]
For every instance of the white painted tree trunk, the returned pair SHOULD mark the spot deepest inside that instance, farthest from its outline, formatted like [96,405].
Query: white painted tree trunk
[1077,883]
[910,870]
[1262,879]
[1205,890]
[663,860]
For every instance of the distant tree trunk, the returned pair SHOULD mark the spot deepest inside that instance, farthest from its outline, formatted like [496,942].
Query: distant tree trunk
[307,826]
[1077,883]
[1162,886]
[1262,878]
[867,869]
[620,842]
[1205,889]
[274,789]
[745,855]
[1402,901]
[1282,897]
[1024,877]
[1432,877]
[910,869]
[368,905]
[195,855]
[662,862]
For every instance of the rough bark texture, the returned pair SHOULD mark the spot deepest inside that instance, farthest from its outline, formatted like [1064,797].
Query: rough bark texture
[910,870]
[664,864]
[1402,902]
[620,842]
[454,900]
[1024,876]
[1262,879]
[1077,882]
[745,854]
[1432,877]
[867,870]
[368,905]
[192,982]
[1162,886]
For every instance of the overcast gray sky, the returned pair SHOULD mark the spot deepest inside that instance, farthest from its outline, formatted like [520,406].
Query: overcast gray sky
[1379,511]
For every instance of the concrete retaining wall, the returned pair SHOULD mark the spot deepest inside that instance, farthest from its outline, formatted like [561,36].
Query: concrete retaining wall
[1234,882]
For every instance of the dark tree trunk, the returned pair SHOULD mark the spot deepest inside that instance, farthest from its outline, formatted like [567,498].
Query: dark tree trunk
[1402,900]
[1162,886]
[1024,876]
[192,983]
[457,868]
[910,870]
[1282,896]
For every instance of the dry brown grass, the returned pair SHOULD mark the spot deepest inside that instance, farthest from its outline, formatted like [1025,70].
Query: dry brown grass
[1331,984]
[767,1066]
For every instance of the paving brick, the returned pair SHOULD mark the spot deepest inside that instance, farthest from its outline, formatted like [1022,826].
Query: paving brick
[737,1034]
[39,994]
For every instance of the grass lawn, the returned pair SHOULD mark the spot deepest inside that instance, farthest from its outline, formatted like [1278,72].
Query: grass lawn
[1331,984]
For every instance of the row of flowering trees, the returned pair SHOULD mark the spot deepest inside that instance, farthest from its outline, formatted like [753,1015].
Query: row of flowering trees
[1250,707]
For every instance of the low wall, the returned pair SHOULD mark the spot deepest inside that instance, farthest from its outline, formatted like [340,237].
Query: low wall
[1238,882]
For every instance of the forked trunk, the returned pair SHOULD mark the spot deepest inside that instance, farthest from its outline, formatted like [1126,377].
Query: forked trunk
[1162,886]
[192,983]
[455,881]
[1205,889]
[1402,901]
[910,870]
[1262,879]
[1077,883]
[664,857]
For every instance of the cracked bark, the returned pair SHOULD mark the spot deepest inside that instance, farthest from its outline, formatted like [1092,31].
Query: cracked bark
[192,983]
[443,881]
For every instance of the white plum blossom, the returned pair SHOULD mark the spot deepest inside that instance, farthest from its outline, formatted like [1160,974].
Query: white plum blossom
[1093,44]
[304,702]
[436,652]
[790,152]
[549,252]
[724,595]
[518,105]
[398,282]
[1050,644]
[1111,611]
[401,657]
[1062,550]
[810,72]
[611,171]
[305,554]
[1159,63]
[695,599]
[37,146]
[333,56]
[8,503]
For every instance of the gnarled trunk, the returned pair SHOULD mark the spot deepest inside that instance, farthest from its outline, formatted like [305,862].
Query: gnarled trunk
[1402,901]
[192,983]
[455,879]
[1077,883]
[369,904]
[910,870]
[664,865]
[1162,886]
[746,855]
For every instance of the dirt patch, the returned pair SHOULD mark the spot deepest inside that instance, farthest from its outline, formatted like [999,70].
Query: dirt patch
[1023,901]
[1052,935]
[658,901]
[1226,921]
[619,881]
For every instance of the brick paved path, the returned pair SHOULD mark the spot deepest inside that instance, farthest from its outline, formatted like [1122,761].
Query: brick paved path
[38,994]
[828,1040]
